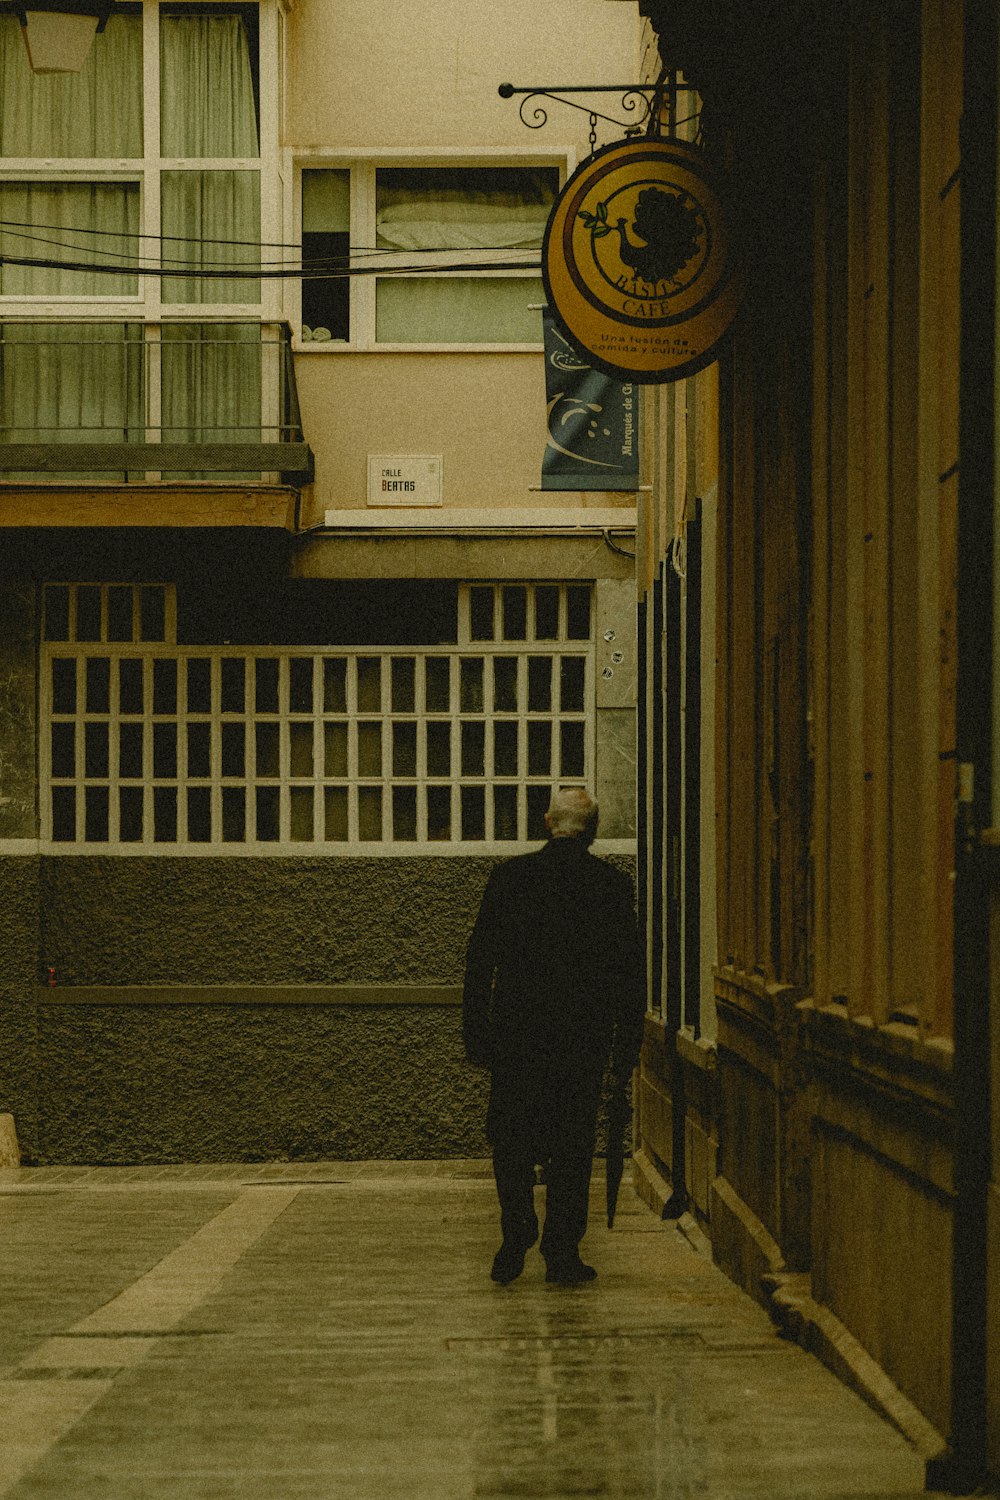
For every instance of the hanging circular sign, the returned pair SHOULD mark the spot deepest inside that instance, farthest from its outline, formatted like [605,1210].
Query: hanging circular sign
[637,260]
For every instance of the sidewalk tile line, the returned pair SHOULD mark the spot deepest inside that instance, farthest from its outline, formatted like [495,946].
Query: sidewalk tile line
[36,1415]
[161,1298]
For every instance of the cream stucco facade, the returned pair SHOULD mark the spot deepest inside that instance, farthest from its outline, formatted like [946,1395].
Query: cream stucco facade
[382,84]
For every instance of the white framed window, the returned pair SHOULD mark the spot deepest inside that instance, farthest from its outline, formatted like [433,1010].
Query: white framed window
[163,145]
[150,746]
[397,221]
[161,152]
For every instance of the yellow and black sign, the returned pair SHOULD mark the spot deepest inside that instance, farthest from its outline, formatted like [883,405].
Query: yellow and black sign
[638,263]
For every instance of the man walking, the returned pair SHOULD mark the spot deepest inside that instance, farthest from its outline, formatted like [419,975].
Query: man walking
[552,991]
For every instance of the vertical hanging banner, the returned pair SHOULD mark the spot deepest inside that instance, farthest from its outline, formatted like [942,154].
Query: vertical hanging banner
[592,422]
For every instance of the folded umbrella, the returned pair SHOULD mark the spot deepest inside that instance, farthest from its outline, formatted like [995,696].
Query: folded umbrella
[619,1118]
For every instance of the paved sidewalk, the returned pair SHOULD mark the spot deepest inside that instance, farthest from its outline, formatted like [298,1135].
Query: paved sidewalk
[329,1332]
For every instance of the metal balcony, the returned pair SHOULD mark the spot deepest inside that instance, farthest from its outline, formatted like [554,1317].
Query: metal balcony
[131,401]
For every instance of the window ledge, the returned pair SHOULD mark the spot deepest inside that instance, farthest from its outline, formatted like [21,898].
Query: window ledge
[312,851]
[461,518]
[337,347]
[193,503]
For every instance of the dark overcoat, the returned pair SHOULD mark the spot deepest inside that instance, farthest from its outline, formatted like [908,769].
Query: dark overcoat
[552,991]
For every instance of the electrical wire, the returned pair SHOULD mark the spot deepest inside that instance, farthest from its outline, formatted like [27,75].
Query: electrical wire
[261,273]
[315,264]
[141,234]
[614,547]
[13,225]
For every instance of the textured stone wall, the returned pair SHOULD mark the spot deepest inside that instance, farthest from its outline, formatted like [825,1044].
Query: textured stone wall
[18,998]
[243,1083]
[136,1082]
[19,874]
[17,711]
[259,921]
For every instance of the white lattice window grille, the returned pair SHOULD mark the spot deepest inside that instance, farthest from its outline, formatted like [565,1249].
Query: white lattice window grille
[151,746]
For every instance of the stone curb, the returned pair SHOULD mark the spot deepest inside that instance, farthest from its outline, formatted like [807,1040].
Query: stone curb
[817,1330]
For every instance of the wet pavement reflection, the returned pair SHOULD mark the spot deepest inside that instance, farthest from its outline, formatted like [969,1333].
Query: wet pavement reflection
[330,1330]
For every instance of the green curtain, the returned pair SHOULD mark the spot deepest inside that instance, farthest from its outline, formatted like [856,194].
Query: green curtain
[35,213]
[205,207]
[96,112]
[463,208]
[207,108]
[211,379]
[459,310]
[207,105]
[71,383]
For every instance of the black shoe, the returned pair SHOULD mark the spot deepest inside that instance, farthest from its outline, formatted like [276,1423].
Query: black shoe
[508,1263]
[571,1272]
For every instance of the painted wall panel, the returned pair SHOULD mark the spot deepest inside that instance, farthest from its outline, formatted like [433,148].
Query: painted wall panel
[748,1136]
[483,413]
[421,75]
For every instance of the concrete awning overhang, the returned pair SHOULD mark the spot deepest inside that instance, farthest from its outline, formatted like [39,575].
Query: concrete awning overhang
[181,506]
[590,542]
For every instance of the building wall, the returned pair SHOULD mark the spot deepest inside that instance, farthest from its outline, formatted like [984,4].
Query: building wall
[483,414]
[820,1141]
[278,1002]
[379,83]
[993,1215]
[372,75]
[19,979]
[201,1004]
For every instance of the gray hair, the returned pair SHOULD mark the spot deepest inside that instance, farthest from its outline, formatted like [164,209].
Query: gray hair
[572,813]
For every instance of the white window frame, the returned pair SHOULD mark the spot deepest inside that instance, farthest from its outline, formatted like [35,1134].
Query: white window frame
[147,306]
[363,166]
[317,718]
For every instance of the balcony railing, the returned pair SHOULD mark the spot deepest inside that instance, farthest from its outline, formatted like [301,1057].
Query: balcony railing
[131,401]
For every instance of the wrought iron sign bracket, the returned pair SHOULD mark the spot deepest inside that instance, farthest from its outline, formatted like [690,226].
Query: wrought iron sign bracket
[648,108]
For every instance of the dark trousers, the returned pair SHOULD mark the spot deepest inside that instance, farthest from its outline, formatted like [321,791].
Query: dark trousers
[567,1177]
